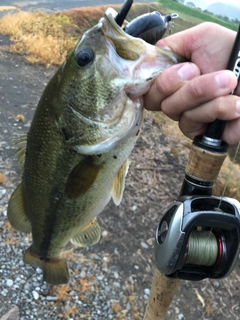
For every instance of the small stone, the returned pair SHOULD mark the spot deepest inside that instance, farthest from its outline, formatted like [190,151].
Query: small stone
[147,291]
[116,284]
[128,306]
[13,314]
[35,294]
[38,271]
[9,282]
[104,233]
[116,251]
[51,298]
[144,245]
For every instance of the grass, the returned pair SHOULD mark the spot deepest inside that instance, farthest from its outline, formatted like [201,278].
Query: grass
[39,37]
[184,11]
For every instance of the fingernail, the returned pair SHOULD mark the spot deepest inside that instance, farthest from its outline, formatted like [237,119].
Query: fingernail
[187,71]
[238,107]
[222,80]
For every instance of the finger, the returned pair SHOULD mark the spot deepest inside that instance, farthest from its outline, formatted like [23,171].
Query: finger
[231,133]
[194,122]
[208,51]
[198,91]
[169,81]
[237,90]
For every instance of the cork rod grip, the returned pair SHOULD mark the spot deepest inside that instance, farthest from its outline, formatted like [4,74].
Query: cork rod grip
[162,292]
[204,164]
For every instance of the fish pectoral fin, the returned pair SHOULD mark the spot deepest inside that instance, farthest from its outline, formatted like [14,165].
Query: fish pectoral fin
[55,271]
[21,144]
[16,213]
[119,183]
[81,178]
[88,236]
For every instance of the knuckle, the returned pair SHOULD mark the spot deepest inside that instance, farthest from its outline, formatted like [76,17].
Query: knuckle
[168,108]
[220,107]
[195,90]
[206,26]
[163,83]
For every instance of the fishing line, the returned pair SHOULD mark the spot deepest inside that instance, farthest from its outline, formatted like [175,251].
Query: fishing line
[202,248]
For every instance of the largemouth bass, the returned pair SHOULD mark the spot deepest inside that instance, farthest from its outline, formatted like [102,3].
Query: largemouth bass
[84,128]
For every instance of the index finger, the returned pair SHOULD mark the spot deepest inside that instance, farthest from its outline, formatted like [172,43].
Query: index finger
[168,82]
[210,52]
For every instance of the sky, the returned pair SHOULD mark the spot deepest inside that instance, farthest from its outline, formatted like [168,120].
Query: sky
[203,4]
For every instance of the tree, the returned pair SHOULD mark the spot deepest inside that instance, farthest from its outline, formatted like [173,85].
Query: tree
[191,5]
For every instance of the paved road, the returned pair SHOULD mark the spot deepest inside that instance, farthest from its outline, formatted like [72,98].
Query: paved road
[57,5]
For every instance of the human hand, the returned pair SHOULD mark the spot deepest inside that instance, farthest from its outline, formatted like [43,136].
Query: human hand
[197,92]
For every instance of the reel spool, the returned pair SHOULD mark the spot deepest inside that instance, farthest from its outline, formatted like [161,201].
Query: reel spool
[197,240]
[202,248]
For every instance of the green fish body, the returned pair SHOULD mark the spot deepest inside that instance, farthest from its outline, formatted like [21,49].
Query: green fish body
[83,131]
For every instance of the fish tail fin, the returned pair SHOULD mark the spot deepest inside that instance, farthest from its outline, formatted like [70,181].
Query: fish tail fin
[55,271]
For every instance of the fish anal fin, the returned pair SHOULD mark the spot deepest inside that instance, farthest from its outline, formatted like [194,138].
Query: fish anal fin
[119,183]
[88,236]
[81,178]
[55,271]
[16,213]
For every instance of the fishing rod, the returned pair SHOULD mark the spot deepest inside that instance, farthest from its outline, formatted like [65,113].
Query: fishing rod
[199,235]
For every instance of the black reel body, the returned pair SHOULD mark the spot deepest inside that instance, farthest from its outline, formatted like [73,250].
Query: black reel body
[196,240]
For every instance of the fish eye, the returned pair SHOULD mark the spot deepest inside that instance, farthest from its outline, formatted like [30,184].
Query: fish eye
[84,57]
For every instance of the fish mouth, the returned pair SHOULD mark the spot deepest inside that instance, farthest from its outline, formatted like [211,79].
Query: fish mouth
[127,46]
[138,64]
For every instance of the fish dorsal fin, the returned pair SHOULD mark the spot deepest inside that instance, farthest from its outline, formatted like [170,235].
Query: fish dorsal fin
[119,183]
[21,144]
[88,236]
[81,178]
[16,213]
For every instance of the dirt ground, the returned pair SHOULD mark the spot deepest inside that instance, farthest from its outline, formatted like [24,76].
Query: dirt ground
[153,182]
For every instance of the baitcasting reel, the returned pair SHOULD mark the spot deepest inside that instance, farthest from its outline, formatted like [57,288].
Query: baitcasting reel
[150,27]
[199,237]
